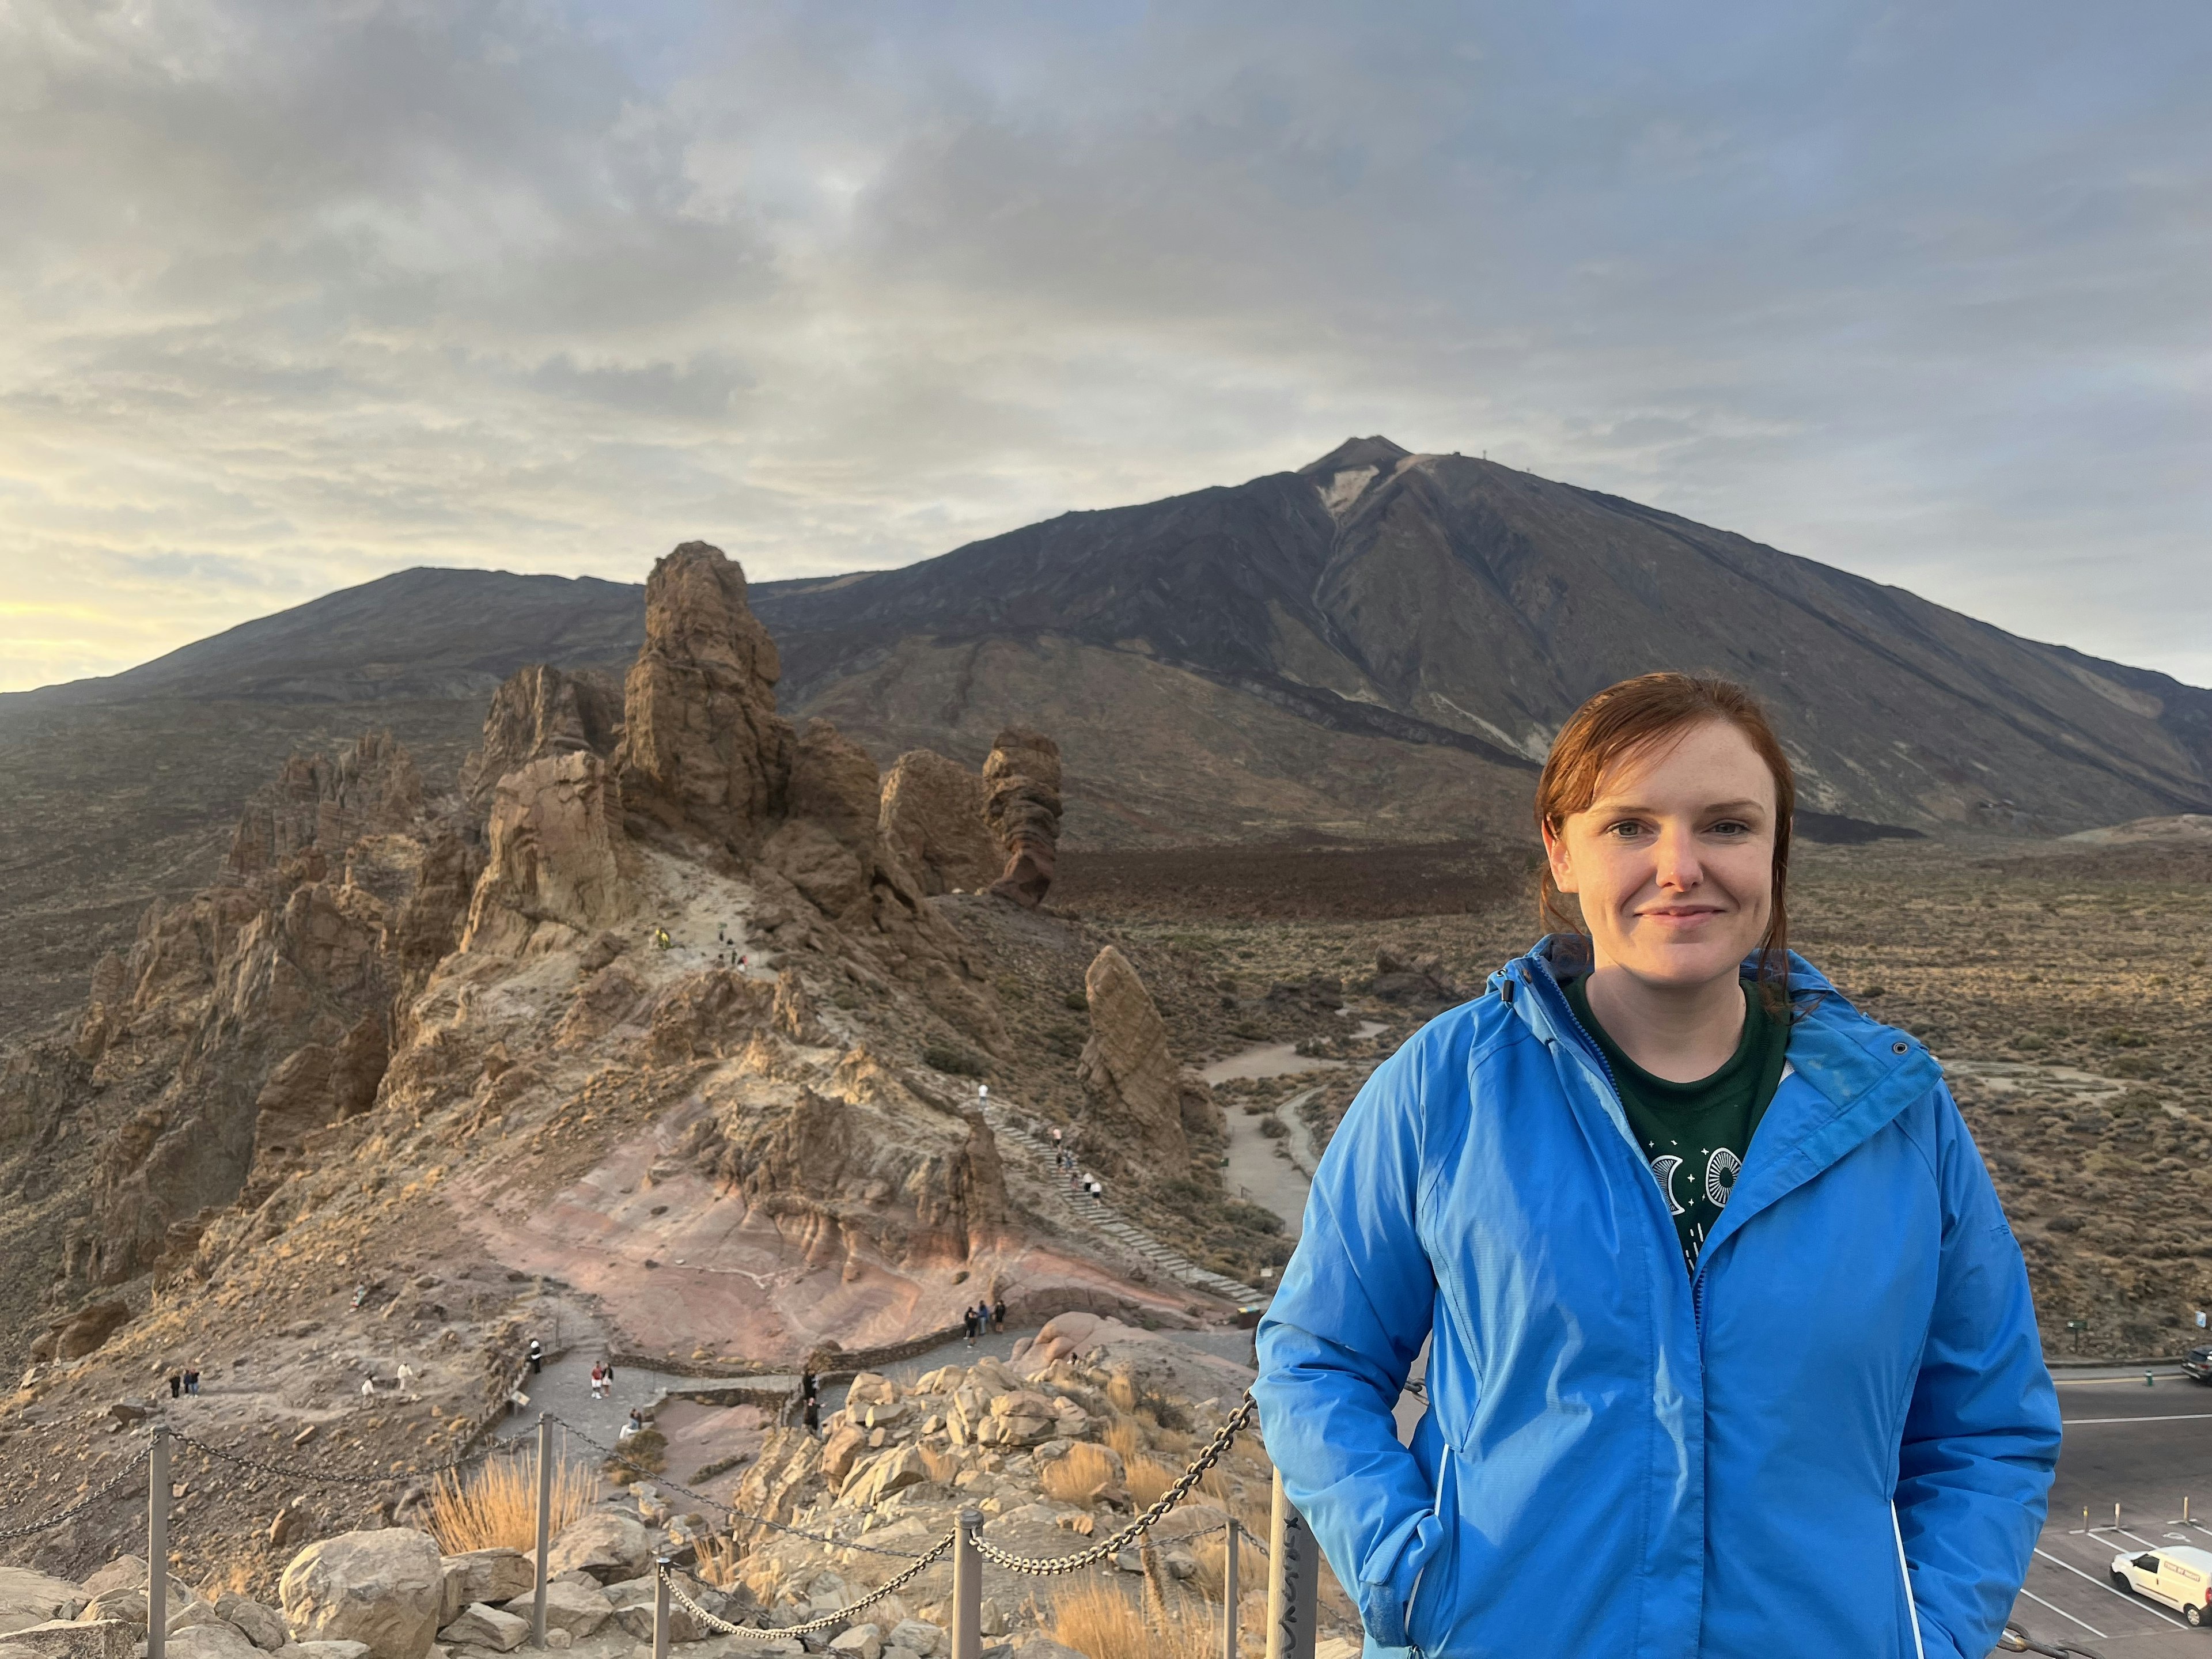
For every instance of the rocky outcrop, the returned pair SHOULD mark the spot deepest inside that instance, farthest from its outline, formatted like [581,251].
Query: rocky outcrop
[931,815]
[384,1589]
[703,750]
[327,801]
[1140,1097]
[558,866]
[536,712]
[1021,804]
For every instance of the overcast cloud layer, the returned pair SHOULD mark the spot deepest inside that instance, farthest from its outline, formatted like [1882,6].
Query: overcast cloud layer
[293,295]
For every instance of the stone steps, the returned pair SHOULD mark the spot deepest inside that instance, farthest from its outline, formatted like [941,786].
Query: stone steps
[1098,1216]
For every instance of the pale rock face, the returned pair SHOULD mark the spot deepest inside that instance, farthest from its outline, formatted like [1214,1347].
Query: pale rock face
[29,1598]
[1022,805]
[577,1609]
[539,711]
[383,1589]
[609,1548]
[917,1636]
[559,863]
[212,1640]
[931,815]
[703,749]
[892,1470]
[1127,1065]
[262,1625]
[486,1626]
[490,1576]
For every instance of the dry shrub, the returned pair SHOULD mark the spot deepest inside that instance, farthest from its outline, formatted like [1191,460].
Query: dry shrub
[1149,1479]
[718,1561]
[1080,1476]
[496,1507]
[1107,1622]
[1121,1389]
[646,1450]
[1125,1437]
[942,1465]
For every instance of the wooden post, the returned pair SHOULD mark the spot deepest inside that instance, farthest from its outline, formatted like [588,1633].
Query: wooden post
[157,1546]
[545,1526]
[967,1587]
[661,1609]
[1293,1581]
[1230,1591]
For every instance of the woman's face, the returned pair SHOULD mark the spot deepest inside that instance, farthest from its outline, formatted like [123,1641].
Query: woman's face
[1674,861]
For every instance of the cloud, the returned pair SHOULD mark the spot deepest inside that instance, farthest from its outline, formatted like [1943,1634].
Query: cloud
[295,296]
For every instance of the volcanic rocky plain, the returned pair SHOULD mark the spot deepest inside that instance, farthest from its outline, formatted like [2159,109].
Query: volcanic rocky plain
[661,1030]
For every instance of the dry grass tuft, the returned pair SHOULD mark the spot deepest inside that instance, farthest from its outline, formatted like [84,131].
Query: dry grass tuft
[1124,1437]
[1121,1389]
[497,1506]
[1107,1622]
[1080,1476]
[1148,1478]
[718,1561]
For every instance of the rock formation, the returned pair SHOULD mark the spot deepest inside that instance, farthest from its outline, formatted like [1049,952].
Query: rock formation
[326,801]
[558,868]
[540,711]
[1021,804]
[703,749]
[932,816]
[1142,1098]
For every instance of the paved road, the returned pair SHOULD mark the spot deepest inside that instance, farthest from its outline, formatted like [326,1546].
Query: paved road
[2147,1449]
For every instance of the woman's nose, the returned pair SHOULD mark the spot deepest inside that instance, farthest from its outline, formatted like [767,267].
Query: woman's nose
[1675,860]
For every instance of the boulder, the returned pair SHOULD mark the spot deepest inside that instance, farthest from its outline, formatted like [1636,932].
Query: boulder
[124,1572]
[72,1638]
[859,1641]
[894,1469]
[384,1590]
[841,1450]
[579,1609]
[493,1576]
[632,1601]
[323,1650]
[931,817]
[486,1626]
[1136,1086]
[703,749]
[261,1626]
[212,1640]
[193,1611]
[29,1598]
[609,1547]
[918,1636]
[1022,805]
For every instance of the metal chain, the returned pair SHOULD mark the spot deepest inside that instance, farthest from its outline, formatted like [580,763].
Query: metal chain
[734,1513]
[843,1615]
[294,1472]
[1045,1567]
[82,1505]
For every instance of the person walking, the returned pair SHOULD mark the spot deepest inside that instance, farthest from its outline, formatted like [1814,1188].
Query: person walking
[176,1385]
[192,1380]
[810,1385]
[999,1316]
[537,1357]
[1715,1283]
[811,1415]
[968,1325]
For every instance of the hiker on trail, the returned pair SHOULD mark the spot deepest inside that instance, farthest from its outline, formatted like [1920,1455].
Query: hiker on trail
[634,1427]
[968,1325]
[359,1295]
[176,1384]
[537,1357]
[1096,1189]
[811,1415]
[810,1385]
[598,1380]
[192,1380]
[999,1316]
[1690,1240]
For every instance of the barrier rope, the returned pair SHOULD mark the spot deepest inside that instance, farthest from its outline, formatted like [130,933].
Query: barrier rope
[1050,1566]
[813,1626]
[734,1514]
[298,1471]
[81,1505]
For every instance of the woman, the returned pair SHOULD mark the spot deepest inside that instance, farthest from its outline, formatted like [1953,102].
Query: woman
[1732,1353]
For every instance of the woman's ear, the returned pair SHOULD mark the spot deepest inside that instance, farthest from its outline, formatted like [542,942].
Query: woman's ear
[1556,854]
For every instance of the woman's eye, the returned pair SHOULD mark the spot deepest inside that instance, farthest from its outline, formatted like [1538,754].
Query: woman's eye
[1730,827]
[1626,829]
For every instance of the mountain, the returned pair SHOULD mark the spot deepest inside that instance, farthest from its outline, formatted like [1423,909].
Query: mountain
[1378,605]
[1375,647]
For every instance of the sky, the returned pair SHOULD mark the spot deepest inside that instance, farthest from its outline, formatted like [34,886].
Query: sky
[294,295]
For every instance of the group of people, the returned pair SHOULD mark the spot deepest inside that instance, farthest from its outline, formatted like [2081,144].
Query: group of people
[982,1318]
[603,1378]
[185,1381]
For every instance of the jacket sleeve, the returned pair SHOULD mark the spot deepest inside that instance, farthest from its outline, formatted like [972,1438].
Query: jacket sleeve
[1340,1337]
[1981,1437]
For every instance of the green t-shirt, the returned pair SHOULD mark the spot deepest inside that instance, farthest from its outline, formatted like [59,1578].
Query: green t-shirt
[1695,1135]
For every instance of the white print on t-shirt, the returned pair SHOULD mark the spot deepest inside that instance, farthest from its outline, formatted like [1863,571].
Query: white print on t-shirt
[1721,1170]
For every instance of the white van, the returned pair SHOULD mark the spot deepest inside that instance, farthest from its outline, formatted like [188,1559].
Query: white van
[2180,1576]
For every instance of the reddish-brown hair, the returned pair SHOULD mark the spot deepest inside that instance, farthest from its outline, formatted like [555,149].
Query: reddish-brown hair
[1628,718]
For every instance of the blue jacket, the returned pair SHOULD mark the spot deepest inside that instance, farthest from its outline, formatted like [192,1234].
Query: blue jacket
[1620,1459]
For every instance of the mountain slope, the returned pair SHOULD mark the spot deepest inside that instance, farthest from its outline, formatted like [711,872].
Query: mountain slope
[1443,601]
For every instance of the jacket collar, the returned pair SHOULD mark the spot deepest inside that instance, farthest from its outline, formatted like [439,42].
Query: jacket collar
[1852,1075]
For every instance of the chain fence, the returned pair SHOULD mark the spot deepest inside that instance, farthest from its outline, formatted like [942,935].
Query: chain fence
[82,1503]
[814,1626]
[298,1472]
